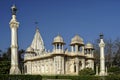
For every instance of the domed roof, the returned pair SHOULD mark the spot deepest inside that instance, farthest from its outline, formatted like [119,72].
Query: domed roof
[77,40]
[58,39]
[29,50]
[89,46]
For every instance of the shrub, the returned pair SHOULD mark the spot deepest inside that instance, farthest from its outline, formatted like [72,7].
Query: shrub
[74,77]
[86,71]
[20,77]
[4,67]
[59,77]
[114,70]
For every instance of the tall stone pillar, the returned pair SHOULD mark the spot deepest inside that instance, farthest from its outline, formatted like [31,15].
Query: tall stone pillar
[106,71]
[54,65]
[14,43]
[96,70]
[92,64]
[102,58]
[63,66]
[76,48]
[72,48]
[77,65]
[83,50]
[83,63]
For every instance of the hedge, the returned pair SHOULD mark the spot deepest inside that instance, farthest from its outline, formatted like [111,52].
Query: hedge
[59,77]
[20,77]
[70,77]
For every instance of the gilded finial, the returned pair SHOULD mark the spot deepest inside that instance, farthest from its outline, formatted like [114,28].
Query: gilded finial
[101,36]
[37,29]
[14,10]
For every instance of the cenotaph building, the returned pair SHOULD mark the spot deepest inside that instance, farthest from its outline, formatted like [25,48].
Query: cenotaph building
[38,60]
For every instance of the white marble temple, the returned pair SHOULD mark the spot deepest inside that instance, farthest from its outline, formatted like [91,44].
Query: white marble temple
[60,61]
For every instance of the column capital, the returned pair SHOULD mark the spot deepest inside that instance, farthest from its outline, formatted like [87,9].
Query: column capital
[14,24]
[14,46]
[102,45]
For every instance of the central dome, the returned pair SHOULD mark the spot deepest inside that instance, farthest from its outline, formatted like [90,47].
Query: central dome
[77,40]
[58,39]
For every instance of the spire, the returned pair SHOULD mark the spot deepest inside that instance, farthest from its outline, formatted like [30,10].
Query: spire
[37,43]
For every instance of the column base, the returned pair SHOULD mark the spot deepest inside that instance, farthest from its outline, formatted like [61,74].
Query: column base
[15,70]
[102,73]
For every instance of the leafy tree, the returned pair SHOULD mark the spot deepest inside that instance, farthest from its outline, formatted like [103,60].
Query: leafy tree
[9,53]
[20,54]
[6,58]
[109,50]
[116,58]
[21,58]
[4,67]
[5,62]
[96,52]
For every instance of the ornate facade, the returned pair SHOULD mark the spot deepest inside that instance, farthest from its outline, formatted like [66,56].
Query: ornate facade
[60,61]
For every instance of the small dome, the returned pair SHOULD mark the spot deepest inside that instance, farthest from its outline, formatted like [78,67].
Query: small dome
[58,39]
[30,50]
[77,40]
[89,46]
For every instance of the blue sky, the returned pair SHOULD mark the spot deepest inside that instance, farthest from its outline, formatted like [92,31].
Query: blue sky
[87,18]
